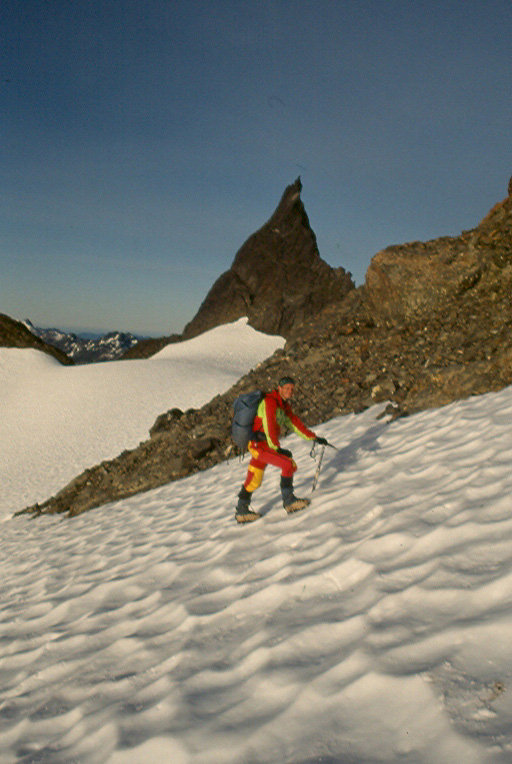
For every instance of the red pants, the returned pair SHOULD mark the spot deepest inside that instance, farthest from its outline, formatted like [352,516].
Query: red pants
[262,455]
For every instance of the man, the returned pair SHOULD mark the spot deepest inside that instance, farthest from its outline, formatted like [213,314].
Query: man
[274,413]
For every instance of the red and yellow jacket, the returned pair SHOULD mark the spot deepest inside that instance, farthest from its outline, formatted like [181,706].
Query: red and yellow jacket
[273,415]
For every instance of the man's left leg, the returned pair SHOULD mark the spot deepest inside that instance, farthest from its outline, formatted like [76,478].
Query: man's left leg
[290,502]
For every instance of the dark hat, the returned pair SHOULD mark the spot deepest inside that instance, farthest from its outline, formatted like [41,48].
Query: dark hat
[286,381]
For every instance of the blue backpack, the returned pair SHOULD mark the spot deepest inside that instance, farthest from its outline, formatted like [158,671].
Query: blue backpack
[245,409]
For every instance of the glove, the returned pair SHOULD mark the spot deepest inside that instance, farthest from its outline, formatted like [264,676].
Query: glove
[284,452]
[321,441]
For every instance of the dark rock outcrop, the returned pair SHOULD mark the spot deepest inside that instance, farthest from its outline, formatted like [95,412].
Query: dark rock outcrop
[14,334]
[277,278]
[148,347]
[432,325]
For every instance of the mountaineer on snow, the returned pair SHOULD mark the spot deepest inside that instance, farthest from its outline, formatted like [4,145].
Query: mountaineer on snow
[274,413]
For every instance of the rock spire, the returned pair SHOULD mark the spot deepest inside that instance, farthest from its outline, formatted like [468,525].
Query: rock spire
[277,278]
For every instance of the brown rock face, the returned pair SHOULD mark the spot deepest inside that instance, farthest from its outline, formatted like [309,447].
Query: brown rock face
[419,279]
[277,278]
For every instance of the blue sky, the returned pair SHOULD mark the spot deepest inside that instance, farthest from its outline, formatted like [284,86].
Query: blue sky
[143,142]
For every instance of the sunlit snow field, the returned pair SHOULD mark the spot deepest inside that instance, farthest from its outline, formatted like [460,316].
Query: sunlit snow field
[375,626]
[58,420]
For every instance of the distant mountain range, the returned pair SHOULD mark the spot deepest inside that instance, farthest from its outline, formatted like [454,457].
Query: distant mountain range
[86,349]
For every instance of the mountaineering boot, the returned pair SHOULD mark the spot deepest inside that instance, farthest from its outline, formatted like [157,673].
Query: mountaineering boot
[290,502]
[243,513]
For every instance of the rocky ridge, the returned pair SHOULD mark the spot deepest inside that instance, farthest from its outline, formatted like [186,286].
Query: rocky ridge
[14,334]
[146,348]
[432,324]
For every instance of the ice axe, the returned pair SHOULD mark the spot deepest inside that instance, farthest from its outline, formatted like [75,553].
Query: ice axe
[319,465]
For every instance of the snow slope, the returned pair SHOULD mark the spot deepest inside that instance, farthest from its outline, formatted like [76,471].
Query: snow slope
[374,627]
[58,420]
